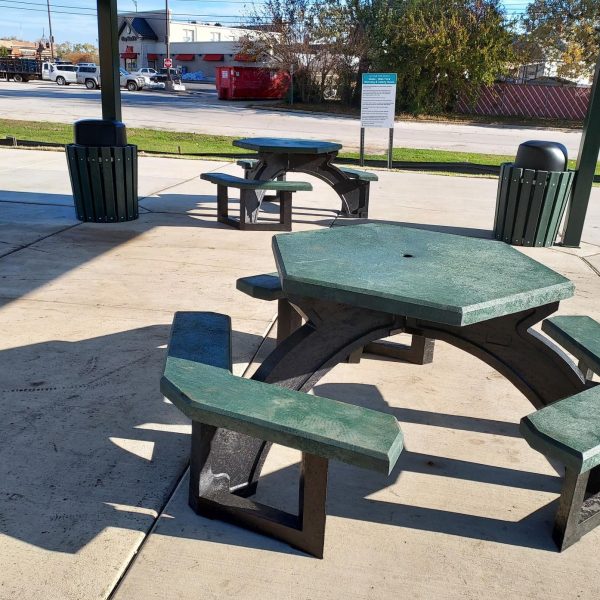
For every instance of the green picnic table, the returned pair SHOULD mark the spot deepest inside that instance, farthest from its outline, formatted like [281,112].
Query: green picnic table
[361,283]
[277,156]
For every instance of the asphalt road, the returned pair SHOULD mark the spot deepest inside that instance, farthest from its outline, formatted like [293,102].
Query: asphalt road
[200,111]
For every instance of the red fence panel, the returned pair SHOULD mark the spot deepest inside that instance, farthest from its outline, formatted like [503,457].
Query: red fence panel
[521,100]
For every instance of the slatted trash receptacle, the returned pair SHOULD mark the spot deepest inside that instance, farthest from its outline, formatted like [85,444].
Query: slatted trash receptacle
[103,171]
[531,202]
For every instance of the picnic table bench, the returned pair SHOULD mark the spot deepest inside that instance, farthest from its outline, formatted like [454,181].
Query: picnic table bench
[569,431]
[356,285]
[197,378]
[250,203]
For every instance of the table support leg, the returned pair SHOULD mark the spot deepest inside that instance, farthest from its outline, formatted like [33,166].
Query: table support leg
[288,319]
[420,351]
[334,331]
[353,192]
[210,496]
[538,368]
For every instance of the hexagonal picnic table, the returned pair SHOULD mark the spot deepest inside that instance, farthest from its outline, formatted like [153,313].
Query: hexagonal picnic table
[361,283]
[277,156]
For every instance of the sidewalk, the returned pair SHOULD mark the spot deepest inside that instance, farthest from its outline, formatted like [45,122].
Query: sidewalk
[93,459]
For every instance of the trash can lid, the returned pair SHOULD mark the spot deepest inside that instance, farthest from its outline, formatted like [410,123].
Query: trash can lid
[542,155]
[100,132]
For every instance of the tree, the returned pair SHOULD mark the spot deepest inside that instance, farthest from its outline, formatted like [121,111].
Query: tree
[288,35]
[77,53]
[565,31]
[444,50]
[439,49]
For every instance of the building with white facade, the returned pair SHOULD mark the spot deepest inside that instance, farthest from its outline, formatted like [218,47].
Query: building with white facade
[193,46]
[545,70]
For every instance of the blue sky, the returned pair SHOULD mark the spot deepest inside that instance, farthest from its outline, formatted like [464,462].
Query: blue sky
[75,21]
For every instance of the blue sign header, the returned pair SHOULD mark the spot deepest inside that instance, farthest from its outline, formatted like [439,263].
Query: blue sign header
[379,78]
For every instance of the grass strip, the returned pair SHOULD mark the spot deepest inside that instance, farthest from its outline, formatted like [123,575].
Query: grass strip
[201,145]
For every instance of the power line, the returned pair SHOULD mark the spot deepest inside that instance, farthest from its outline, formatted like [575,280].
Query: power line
[157,18]
[92,12]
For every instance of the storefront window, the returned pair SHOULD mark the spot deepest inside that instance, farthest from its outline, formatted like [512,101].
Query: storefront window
[131,64]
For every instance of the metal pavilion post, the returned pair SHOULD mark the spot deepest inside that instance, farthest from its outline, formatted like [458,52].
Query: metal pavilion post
[102,165]
[108,43]
[589,149]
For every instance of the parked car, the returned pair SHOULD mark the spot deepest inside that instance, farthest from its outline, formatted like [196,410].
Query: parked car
[132,82]
[162,76]
[63,74]
[147,73]
[90,77]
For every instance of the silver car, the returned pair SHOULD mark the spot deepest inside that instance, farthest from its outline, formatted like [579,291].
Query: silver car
[63,74]
[132,82]
[90,77]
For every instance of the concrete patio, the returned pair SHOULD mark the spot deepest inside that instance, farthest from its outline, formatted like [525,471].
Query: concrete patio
[93,496]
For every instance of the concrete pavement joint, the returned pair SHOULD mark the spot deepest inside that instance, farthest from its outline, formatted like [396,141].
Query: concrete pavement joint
[39,240]
[181,478]
[94,383]
[590,265]
[151,530]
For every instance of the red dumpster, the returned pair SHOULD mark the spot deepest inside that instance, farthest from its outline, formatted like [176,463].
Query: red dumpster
[251,83]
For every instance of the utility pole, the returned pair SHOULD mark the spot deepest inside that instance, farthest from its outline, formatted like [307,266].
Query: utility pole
[50,28]
[169,82]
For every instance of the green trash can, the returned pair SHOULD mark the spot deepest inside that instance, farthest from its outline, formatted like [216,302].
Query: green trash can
[103,171]
[530,205]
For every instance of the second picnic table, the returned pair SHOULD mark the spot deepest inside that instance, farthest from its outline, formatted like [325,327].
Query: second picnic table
[276,156]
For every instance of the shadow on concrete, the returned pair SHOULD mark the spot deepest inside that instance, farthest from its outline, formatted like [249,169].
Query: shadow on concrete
[467,231]
[88,444]
[68,244]
[37,198]
[373,399]
[348,497]
[351,490]
[203,205]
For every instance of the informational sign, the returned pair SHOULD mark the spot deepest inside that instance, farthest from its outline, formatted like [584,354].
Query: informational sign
[378,103]
[168,63]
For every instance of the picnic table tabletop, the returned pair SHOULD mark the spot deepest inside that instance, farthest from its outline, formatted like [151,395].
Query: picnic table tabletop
[417,273]
[288,145]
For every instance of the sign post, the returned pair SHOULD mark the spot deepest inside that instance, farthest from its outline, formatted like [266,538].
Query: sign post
[378,107]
